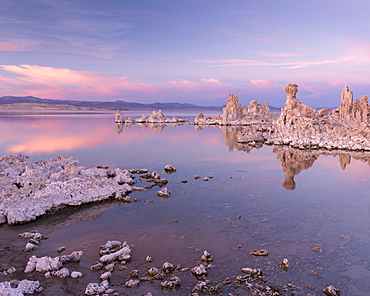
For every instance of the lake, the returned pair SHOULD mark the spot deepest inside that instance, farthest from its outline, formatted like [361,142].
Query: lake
[284,200]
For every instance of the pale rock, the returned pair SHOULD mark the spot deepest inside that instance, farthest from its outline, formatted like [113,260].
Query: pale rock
[30,190]
[285,265]
[47,263]
[96,289]
[105,276]
[153,271]
[19,288]
[61,273]
[30,247]
[35,235]
[96,266]
[122,177]
[164,192]
[168,267]
[104,249]
[118,117]
[331,291]
[75,256]
[199,270]
[148,259]
[156,117]
[254,272]
[206,257]
[9,271]
[109,267]
[169,169]
[123,254]
[134,273]
[172,283]
[198,288]
[76,274]
[31,264]
[132,283]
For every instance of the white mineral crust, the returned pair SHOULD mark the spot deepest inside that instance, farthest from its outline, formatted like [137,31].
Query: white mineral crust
[29,190]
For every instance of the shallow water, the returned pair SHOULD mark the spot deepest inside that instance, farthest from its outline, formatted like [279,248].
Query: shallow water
[280,199]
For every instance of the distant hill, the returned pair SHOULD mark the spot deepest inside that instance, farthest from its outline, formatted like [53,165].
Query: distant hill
[119,104]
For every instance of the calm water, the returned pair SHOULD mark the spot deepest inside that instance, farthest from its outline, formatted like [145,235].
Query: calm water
[283,200]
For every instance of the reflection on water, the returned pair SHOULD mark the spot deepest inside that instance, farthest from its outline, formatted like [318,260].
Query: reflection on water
[60,132]
[155,127]
[244,207]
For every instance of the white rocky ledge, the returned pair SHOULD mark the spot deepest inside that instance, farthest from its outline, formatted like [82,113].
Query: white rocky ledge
[29,190]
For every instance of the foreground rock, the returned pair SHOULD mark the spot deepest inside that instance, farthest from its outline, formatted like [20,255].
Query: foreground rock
[29,190]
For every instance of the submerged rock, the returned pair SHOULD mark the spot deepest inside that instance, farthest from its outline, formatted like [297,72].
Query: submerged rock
[122,254]
[261,252]
[96,289]
[206,257]
[169,169]
[172,283]
[132,283]
[199,270]
[331,291]
[168,267]
[165,193]
[285,265]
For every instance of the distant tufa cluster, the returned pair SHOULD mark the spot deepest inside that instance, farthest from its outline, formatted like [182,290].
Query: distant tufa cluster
[236,114]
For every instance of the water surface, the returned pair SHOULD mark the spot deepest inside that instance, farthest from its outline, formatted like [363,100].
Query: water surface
[284,200]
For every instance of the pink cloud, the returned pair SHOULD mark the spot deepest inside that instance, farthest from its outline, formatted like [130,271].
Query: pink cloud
[281,54]
[211,80]
[8,46]
[235,63]
[66,83]
[284,65]
[261,82]
[183,83]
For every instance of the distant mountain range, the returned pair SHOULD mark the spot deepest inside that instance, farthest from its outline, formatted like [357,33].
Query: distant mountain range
[105,105]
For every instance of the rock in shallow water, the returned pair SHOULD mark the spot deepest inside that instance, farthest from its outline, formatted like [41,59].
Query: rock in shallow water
[165,193]
[331,291]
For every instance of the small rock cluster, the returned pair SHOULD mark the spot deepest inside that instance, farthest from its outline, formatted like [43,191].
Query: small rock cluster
[53,266]
[157,116]
[111,253]
[34,239]
[236,114]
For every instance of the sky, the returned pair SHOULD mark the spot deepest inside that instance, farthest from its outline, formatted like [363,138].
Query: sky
[186,51]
